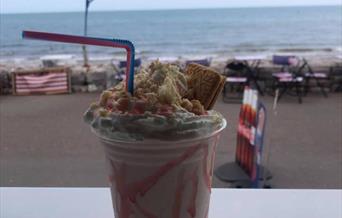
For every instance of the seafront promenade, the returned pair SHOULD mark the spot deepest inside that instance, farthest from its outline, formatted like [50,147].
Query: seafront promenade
[44,142]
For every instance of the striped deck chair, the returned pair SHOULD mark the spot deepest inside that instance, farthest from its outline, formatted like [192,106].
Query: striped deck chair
[41,81]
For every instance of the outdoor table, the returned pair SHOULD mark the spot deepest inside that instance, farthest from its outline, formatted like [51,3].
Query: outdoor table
[225,203]
[252,62]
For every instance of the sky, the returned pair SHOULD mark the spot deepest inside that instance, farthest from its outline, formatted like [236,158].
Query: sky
[33,6]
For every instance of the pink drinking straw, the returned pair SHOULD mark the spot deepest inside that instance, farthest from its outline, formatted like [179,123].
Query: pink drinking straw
[115,43]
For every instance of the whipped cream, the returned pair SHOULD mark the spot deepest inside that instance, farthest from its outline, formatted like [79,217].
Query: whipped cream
[131,127]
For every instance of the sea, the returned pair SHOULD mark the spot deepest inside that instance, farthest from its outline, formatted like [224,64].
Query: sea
[215,33]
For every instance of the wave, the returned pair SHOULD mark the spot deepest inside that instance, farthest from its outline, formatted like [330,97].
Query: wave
[147,52]
[16,45]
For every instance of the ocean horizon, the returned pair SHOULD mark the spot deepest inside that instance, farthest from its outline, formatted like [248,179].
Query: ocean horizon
[183,32]
[174,9]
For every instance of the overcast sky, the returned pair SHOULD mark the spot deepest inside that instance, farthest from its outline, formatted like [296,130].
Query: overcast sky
[15,6]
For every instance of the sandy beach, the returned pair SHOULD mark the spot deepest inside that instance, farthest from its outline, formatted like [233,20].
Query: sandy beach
[317,60]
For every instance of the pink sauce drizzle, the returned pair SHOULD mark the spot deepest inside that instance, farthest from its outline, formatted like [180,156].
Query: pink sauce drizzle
[212,162]
[144,211]
[206,212]
[110,179]
[124,209]
[192,205]
[128,193]
[178,195]
[146,184]
[205,167]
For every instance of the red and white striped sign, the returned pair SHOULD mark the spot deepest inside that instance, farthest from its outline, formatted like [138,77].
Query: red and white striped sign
[50,82]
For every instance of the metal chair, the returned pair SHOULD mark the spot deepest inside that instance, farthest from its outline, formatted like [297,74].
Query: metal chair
[121,66]
[137,63]
[238,75]
[336,79]
[236,80]
[289,78]
[318,77]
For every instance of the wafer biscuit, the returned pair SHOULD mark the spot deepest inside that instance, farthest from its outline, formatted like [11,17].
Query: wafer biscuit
[204,84]
[218,92]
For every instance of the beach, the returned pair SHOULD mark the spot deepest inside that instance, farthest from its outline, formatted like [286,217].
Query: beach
[218,35]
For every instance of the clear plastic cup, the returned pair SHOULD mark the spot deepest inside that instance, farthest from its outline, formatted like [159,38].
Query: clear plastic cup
[164,179]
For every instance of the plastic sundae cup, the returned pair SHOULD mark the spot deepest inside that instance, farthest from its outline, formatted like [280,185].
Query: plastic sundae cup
[155,178]
[160,141]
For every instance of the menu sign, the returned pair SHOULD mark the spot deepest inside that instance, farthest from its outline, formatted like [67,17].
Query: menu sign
[250,135]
